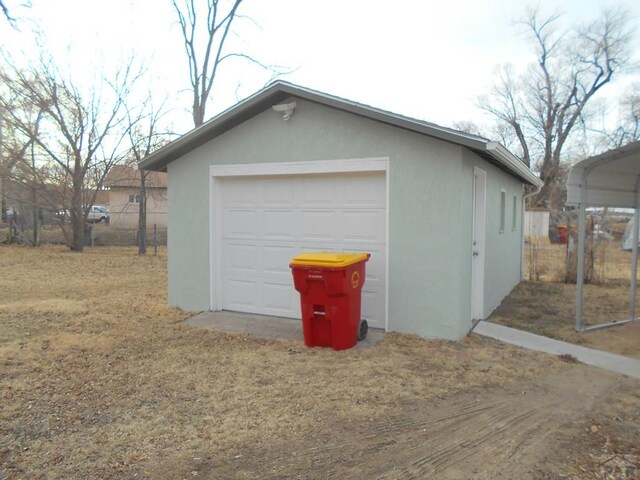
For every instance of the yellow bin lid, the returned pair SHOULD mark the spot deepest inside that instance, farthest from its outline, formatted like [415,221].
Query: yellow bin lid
[328,259]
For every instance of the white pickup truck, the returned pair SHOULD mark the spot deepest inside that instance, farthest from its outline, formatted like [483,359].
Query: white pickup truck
[98,214]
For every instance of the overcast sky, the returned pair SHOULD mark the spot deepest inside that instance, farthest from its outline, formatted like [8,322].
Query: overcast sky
[425,59]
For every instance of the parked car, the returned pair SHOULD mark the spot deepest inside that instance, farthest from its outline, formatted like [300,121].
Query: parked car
[98,214]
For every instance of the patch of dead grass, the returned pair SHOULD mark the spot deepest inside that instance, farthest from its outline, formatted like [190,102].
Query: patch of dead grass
[100,380]
[548,307]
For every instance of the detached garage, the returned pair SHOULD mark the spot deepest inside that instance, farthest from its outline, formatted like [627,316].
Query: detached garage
[440,211]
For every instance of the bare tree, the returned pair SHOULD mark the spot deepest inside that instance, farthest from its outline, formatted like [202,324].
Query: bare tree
[81,134]
[205,47]
[10,13]
[145,137]
[544,106]
[17,164]
[506,104]
[203,66]
[13,151]
[627,128]
[7,15]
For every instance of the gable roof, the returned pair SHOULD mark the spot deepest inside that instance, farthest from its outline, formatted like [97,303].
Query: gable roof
[279,91]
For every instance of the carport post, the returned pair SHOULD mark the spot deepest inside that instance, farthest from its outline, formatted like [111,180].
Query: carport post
[582,220]
[634,249]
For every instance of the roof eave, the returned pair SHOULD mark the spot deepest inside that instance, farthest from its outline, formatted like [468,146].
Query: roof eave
[280,91]
[228,119]
[513,163]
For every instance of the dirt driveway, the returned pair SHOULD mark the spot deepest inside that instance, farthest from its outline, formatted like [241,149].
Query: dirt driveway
[99,379]
[526,431]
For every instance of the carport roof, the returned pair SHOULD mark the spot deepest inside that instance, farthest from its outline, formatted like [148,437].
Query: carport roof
[279,91]
[610,179]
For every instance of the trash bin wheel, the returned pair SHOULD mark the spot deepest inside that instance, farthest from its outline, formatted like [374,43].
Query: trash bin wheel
[363,328]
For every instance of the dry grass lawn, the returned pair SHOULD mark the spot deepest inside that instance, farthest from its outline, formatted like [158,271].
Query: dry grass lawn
[99,379]
[547,306]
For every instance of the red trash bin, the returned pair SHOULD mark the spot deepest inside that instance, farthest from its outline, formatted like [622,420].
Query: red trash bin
[330,286]
[562,230]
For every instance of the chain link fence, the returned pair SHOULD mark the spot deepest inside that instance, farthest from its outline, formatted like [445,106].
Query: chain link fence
[95,234]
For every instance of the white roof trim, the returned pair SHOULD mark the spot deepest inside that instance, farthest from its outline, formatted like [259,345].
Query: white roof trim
[512,162]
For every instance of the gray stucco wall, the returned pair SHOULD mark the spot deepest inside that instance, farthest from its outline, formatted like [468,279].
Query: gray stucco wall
[429,212]
[503,259]
[503,248]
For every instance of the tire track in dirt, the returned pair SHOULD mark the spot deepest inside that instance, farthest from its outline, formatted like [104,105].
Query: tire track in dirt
[413,448]
[473,435]
[452,444]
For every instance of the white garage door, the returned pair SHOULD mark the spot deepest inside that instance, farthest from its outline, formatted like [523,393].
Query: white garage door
[265,221]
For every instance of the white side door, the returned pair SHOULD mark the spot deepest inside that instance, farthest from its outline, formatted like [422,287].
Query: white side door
[478,243]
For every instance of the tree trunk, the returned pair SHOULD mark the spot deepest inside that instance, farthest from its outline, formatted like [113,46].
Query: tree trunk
[3,201]
[77,218]
[198,113]
[548,196]
[142,216]
[36,225]
[34,192]
[544,198]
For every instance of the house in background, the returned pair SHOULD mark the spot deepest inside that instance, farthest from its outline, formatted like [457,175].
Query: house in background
[123,185]
[291,169]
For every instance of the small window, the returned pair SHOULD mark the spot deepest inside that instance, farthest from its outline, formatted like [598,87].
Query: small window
[503,210]
[134,198]
[514,214]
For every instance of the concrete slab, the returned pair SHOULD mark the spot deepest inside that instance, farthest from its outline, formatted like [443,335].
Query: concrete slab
[265,326]
[597,358]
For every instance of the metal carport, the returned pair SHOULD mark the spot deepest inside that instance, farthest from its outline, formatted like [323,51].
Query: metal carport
[611,179]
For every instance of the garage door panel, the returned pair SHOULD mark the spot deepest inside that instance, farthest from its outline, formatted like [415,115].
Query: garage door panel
[363,226]
[365,191]
[240,294]
[240,224]
[277,297]
[371,308]
[279,192]
[238,193]
[312,191]
[241,258]
[276,259]
[287,215]
[277,224]
[318,225]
